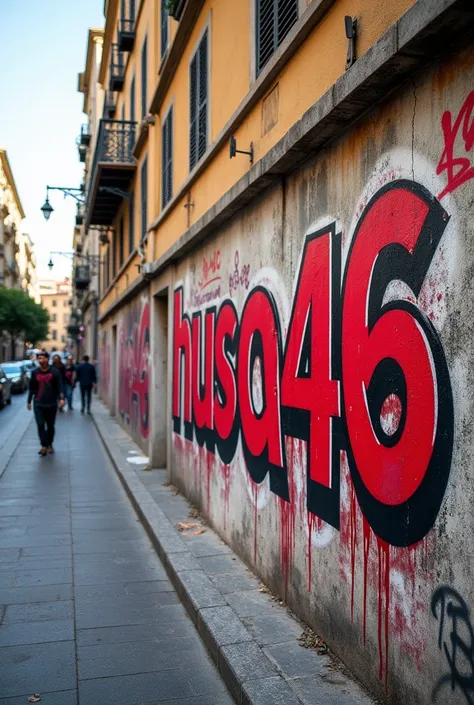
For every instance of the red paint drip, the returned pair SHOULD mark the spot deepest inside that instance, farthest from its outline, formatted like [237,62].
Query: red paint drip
[314,523]
[366,539]
[225,472]
[383,606]
[209,465]
[353,539]
[288,518]
[255,489]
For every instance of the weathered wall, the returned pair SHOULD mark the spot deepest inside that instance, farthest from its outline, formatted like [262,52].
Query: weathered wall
[321,406]
[133,359]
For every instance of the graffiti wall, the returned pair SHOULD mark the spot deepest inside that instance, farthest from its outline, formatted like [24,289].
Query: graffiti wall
[104,364]
[321,401]
[133,342]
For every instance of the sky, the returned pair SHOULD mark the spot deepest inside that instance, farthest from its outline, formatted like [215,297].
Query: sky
[42,50]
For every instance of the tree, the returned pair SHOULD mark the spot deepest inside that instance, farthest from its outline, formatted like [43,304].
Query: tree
[20,316]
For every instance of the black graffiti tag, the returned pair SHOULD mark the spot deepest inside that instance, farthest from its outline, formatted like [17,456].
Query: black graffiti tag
[457,643]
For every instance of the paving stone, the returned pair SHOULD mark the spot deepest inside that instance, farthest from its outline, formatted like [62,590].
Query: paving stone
[62,697]
[140,657]
[47,667]
[153,631]
[227,583]
[251,603]
[135,689]
[332,688]
[293,661]
[119,571]
[36,612]
[272,628]
[36,632]
[243,662]
[219,626]
[36,593]
[44,576]
[268,691]
[197,591]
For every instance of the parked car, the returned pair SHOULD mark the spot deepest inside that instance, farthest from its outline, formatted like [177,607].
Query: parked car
[29,366]
[16,373]
[5,389]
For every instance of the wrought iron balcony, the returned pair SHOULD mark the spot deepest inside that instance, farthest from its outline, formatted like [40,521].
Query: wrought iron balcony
[2,249]
[112,170]
[82,276]
[126,26]
[85,135]
[117,68]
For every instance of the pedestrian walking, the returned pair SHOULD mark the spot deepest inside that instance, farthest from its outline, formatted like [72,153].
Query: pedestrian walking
[87,378]
[70,380]
[46,389]
[58,364]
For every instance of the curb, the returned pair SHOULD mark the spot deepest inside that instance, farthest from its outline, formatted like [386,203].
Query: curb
[250,671]
[9,448]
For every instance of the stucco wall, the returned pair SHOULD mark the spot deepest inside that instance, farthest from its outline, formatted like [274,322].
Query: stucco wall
[332,324]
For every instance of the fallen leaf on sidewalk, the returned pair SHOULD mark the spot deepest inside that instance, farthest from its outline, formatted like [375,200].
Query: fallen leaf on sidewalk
[198,531]
[35,698]
[147,467]
[183,525]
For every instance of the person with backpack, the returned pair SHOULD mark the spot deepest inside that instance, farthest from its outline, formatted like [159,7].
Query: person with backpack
[46,389]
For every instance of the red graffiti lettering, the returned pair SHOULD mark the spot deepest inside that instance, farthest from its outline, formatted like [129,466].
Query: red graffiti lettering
[458,168]
[134,354]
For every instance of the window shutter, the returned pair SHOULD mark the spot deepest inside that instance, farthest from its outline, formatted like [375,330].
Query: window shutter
[164,28]
[193,116]
[144,194]
[144,78]
[199,89]
[131,224]
[132,99]
[275,18]
[167,159]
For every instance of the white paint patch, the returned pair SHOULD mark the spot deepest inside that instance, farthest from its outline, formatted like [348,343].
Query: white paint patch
[138,460]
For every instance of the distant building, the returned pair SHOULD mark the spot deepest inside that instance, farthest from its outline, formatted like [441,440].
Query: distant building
[55,297]
[17,259]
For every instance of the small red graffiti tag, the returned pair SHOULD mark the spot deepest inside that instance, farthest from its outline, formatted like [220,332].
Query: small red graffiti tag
[458,168]
[210,267]
[239,277]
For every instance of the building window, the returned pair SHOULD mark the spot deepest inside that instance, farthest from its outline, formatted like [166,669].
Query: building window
[198,102]
[164,28]
[144,191]
[131,223]
[144,78]
[275,18]
[54,334]
[121,243]
[54,302]
[63,339]
[167,158]
[65,304]
[53,318]
[132,99]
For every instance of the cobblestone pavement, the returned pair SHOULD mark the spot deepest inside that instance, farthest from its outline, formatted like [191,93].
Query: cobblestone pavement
[87,613]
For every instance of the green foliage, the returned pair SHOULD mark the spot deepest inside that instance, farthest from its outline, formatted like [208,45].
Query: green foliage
[20,316]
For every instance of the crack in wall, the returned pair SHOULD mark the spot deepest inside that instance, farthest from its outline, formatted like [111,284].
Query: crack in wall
[413,132]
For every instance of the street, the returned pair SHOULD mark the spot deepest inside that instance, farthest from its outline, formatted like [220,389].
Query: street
[87,613]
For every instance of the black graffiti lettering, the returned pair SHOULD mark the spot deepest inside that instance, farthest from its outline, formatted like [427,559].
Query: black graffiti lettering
[447,605]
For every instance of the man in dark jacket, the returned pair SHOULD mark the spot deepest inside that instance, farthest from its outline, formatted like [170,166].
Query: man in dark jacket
[47,389]
[87,378]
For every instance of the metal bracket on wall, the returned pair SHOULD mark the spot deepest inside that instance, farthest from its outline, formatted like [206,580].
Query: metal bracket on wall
[115,192]
[234,150]
[351,34]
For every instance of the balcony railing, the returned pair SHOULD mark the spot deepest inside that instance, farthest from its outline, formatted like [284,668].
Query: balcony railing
[2,249]
[113,167]
[117,68]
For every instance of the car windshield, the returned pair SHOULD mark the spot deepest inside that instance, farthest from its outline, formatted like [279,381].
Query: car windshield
[12,369]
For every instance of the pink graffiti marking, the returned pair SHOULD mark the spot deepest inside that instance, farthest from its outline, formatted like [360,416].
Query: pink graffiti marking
[458,168]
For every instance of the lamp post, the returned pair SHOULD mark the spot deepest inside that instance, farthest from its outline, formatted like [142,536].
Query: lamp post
[76,193]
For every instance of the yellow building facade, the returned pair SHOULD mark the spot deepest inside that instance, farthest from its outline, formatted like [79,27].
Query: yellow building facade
[55,298]
[282,191]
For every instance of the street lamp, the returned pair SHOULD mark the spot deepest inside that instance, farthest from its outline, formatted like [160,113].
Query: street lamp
[47,208]
[50,263]
[76,193]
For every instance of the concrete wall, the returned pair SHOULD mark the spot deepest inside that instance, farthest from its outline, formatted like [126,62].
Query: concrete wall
[321,411]
[313,360]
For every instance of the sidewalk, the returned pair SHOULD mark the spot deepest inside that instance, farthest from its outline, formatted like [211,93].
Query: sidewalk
[252,638]
[87,612]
